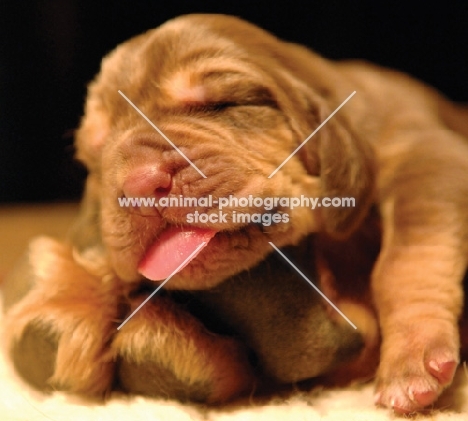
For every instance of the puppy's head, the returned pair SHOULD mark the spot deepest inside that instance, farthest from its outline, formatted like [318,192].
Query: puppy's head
[221,105]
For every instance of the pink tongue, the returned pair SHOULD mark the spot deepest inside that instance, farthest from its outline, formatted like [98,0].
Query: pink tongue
[170,251]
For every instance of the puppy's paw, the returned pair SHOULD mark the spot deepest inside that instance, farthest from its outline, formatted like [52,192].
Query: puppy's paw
[415,370]
[70,355]
[59,330]
[164,351]
[34,355]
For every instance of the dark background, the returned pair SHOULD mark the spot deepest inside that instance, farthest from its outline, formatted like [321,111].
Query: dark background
[49,50]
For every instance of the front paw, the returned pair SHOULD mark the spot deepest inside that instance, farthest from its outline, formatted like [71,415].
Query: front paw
[70,355]
[164,351]
[416,368]
[59,330]
[34,355]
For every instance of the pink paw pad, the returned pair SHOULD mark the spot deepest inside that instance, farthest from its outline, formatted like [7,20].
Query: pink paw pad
[442,371]
[422,398]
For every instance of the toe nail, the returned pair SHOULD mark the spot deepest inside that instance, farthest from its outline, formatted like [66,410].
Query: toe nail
[434,365]
[377,397]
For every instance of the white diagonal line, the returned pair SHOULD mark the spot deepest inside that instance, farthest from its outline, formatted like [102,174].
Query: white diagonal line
[312,134]
[161,133]
[313,286]
[160,286]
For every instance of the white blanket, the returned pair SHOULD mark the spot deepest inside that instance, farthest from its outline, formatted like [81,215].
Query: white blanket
[19,403]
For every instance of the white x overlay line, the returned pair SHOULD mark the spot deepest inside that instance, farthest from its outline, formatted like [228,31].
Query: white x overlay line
[161,133]
[312,285]
[164,283]
[312,134]
[204,176]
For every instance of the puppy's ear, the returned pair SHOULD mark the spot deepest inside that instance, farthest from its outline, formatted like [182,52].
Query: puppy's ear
[338,153]
[93,130]
[85,234]
[347,172]
[89,140]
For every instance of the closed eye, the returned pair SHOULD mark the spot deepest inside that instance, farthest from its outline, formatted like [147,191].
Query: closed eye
[257,98]
[218,106]
[226,90]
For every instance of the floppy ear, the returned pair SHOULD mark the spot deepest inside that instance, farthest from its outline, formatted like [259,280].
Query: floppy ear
[85,233]
[347,170]
[338,154]
[89,140]
[93,130]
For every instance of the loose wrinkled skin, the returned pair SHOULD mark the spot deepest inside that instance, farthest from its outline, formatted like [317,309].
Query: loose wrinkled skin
[237,102]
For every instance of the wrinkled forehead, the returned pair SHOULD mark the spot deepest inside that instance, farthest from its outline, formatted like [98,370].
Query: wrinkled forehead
[188,62]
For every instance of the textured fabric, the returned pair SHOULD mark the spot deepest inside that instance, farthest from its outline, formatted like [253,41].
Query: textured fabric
[19,403]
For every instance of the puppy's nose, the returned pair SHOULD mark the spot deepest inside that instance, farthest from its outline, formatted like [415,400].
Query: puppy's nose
[147,181]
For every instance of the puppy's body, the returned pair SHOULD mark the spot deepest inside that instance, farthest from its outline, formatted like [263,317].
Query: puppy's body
[237,102]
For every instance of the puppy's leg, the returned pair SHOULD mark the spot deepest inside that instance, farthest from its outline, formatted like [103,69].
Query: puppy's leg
[284,321]
[59,321]
[417,280]
[164,351]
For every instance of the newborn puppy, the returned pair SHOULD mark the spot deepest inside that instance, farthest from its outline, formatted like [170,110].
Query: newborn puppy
[237,102]
[65,303]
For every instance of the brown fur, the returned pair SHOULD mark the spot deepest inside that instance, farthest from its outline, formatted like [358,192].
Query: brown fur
[76,307]
[398,145]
